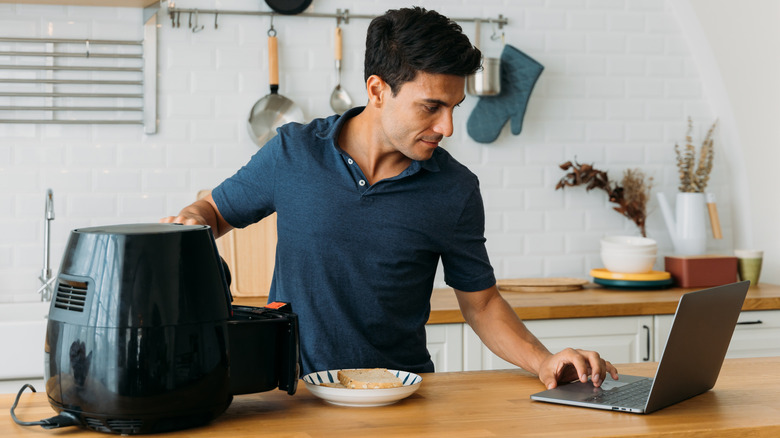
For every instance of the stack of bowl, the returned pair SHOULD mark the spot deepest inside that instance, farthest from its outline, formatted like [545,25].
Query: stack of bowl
[628,254]
[629,264]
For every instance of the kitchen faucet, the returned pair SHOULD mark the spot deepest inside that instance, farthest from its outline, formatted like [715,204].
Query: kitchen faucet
[46,278]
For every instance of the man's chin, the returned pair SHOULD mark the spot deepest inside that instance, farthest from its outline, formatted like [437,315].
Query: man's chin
[423,155]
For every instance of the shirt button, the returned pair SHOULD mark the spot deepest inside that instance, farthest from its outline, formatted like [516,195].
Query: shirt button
[349,160]
[362,183]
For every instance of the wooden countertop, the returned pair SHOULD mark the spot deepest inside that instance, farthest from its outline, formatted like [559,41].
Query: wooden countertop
[744,402]
[592,301]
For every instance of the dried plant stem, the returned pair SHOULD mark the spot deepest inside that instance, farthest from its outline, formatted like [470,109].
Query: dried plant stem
[631,197]
[694,177]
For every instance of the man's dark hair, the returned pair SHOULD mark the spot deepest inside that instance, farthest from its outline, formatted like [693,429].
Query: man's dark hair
[402,42]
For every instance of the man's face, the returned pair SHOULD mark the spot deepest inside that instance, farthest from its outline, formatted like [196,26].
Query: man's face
[420,115]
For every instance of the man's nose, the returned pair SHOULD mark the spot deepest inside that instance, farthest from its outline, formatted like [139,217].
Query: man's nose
[444,124]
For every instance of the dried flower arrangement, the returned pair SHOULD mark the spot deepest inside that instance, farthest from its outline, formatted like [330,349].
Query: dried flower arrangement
[631,197]
[693,177]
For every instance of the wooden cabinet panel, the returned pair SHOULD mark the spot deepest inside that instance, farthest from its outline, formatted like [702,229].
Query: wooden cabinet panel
[250,254]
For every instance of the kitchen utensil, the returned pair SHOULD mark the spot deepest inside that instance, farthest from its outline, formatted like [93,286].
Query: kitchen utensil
[142,337]
[628,263]
[288,7]
[360,397]
[552,284]
[749,264]
[634,284]
[647,276]
[712,208]
[486,81]
[339,98]
[627,242]
[686,228]
[273,110]
[701,270]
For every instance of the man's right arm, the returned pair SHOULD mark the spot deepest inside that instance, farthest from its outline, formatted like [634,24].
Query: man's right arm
[201,212]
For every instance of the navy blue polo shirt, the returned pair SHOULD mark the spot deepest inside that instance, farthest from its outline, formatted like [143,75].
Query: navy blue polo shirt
[357,260]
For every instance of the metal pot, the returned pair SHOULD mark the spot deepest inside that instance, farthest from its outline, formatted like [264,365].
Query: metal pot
[487,81]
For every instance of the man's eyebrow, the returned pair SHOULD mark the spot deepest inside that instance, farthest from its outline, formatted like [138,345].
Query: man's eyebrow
[441,102]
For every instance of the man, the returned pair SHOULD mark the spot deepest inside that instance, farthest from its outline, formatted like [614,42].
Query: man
[368,204]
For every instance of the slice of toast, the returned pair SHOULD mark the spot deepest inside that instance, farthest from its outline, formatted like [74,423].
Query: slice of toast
[369,378]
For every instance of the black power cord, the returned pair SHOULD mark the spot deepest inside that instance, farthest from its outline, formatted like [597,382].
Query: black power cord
[57,421]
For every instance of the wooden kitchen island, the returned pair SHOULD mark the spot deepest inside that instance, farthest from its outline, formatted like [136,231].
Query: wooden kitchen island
[744,402]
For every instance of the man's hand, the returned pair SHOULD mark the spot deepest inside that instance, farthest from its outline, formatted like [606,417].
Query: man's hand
[185,218]
[201,212]
[570,364]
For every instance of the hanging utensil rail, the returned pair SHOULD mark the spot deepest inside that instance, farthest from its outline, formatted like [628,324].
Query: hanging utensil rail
[81,81]
[341,15]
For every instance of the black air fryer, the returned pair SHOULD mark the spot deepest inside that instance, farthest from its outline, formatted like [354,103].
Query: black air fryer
[142,336]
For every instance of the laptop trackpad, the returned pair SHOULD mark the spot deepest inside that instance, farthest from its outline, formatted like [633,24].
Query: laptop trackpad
[578,391]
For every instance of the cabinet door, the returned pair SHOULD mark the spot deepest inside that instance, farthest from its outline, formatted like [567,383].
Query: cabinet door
[617,339]
[445,344]
[757,334]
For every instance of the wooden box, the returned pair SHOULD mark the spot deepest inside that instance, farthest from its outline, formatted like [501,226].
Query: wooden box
[702,270]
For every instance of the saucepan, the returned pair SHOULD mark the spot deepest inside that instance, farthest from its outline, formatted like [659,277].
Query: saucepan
[487,81]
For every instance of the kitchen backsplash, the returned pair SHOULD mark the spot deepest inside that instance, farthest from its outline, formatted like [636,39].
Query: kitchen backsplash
[619,84]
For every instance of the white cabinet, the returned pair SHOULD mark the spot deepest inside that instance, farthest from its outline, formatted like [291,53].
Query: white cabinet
[621,339]
[618,339]
[757,334]
[445,344]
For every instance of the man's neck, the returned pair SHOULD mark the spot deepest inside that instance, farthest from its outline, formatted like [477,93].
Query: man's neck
[377,160]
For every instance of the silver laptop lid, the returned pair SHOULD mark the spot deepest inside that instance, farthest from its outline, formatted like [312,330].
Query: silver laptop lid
[696,347]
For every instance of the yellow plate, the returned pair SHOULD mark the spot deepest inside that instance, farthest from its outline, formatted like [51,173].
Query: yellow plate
[646,276]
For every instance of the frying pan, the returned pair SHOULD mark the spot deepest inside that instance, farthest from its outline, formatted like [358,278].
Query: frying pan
[273,110]
[288,7]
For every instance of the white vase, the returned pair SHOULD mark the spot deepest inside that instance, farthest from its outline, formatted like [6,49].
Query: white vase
[687,228]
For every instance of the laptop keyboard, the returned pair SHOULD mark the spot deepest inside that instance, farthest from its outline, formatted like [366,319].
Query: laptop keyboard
[633,394]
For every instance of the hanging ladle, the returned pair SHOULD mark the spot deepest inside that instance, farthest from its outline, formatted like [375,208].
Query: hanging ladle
[339,98]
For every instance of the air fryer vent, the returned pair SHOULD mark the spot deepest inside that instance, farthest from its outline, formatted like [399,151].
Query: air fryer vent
[71,295]
[120,426]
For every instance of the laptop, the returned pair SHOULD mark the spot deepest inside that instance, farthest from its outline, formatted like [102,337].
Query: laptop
[698,340]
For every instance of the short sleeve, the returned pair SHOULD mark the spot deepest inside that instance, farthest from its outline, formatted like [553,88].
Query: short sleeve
[465,261]
[248,195]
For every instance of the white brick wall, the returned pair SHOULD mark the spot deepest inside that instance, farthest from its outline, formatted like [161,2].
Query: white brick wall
[618,85]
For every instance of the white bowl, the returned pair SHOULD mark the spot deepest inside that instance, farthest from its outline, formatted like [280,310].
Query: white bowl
[627,242]
[360,397]
[650,250]
[628,263]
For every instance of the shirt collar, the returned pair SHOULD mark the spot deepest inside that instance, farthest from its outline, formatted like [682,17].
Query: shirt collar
[430,164]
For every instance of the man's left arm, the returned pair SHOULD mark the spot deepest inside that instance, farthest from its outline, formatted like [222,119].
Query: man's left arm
[502,331]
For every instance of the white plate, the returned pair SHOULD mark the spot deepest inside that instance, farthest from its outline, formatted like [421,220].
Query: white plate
[360,397]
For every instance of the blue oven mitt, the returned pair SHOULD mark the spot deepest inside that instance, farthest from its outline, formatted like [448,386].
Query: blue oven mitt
[519,73]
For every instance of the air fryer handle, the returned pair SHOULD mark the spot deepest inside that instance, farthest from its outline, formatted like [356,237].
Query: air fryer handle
[291,369]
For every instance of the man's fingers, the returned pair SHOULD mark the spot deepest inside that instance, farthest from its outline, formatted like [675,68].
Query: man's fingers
[184,220]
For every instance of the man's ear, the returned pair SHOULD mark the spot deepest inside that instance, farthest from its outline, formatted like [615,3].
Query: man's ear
[377,90]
